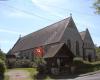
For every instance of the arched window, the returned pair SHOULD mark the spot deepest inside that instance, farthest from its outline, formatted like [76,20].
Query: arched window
[69,44]
[77,48]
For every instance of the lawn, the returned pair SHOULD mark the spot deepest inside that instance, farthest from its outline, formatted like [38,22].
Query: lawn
[6,77]
[32,72]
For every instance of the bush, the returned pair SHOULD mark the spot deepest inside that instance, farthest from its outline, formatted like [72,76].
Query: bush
[2,68]
[21,63]
[24,63]
[82,66]
[2,55]
[10,63]
[42,68]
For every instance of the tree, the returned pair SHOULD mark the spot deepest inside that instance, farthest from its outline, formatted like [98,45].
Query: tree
[2,55]
[97,6]
[2,65]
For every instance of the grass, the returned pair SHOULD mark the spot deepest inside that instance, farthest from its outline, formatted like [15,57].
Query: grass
[32,72]
[96,65]
[6,77]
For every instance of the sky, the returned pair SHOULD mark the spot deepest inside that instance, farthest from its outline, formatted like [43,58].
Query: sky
[21,17]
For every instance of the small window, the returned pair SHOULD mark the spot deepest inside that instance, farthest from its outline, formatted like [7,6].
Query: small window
[77,48]
[69,44]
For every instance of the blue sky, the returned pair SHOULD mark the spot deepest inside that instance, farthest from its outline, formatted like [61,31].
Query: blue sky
[21,17]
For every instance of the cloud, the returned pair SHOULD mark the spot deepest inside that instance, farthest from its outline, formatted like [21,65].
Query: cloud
[11,32]
[44,5]
[18,14]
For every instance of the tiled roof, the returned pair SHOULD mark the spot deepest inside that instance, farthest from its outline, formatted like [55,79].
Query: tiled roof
[47,35]
[58,50]
[87,40]
[53,49]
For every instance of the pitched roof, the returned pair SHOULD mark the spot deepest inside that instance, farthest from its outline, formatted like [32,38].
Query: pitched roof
[53,49]
[58,50]
[86,37]
[47,35]
[83,33]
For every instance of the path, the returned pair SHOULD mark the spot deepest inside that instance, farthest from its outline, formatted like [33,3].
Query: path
[18,75]
[90,76]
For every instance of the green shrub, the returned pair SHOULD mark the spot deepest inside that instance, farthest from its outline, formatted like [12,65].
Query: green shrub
[2,67]
[82,67]
[77,61]
[24,63]
[10,63]
[42,68]
[2,55]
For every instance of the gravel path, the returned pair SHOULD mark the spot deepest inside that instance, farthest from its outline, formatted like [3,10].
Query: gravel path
[18,75]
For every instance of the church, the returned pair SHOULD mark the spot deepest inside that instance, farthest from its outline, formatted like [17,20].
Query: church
[58,42]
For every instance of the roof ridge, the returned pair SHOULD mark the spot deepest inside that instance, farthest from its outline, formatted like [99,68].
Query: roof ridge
[58,21]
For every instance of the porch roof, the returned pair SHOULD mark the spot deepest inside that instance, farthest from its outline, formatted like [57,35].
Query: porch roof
[53,50]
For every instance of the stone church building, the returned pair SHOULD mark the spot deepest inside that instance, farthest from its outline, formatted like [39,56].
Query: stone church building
[59,42]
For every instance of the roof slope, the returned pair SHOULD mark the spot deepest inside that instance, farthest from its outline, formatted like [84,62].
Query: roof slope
[83,33]
[58,50]
[53,49]
[47,35]
[86,37]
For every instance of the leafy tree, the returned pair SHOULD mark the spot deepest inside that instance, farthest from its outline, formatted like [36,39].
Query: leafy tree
[2,65]
[97,6]
[2,55]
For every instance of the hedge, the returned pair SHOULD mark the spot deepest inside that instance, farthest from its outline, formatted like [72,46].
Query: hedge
[2,68]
